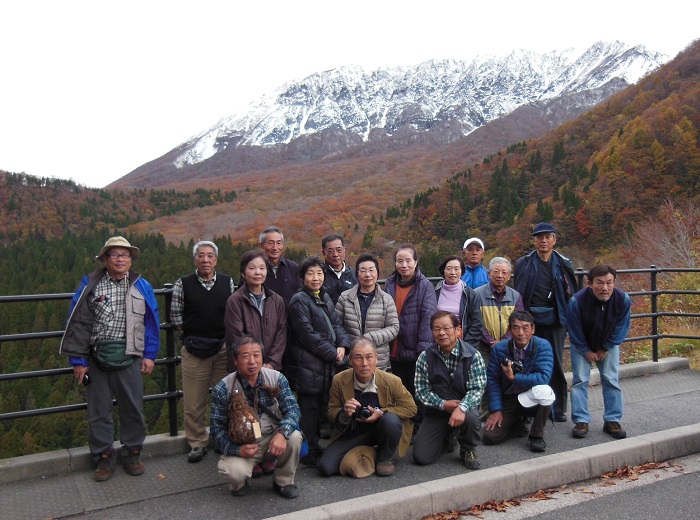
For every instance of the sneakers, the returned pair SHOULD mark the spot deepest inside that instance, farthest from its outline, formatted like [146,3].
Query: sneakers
[385,468]
[559,417]
[521,430]
[131,460]
[536,444]
[196,454]
[241,491]
[580,430]
[615,430]
[471,461]
[105,466]
[288,491]
[451,441]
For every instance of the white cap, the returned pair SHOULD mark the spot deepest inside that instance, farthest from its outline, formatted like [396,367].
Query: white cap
[471,240]
[540,394]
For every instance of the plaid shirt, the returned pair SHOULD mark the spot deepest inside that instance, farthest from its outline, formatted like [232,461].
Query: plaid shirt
[475,384]
[177,306]
[109,308]
[221,395]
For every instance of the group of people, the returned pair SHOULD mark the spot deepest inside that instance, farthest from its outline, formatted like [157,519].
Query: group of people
[320,350]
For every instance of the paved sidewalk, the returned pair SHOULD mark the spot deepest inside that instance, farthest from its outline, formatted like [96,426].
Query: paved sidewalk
[661,416]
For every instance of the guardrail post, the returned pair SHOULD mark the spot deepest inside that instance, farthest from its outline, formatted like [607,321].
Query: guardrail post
[171,369]
[654,316]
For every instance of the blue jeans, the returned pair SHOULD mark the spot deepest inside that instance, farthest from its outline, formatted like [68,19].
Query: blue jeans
[612,395]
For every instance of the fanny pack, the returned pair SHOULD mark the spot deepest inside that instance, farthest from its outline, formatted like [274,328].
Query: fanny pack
[202,347]
[110,354]
[544,315]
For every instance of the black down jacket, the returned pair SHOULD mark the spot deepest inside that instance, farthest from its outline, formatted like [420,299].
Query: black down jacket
[315,332]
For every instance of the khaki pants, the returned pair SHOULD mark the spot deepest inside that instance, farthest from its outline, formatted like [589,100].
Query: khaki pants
[198,375]
[237,469]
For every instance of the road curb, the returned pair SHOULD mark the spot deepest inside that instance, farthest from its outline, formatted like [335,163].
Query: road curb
[510,480]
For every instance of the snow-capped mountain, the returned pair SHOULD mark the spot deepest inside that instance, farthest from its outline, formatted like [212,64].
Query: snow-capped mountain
[383,102]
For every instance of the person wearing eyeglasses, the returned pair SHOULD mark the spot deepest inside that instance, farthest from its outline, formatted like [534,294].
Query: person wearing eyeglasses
[450,380]
[113,332]
[339,276]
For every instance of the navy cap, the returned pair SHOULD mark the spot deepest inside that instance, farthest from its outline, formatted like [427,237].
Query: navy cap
[543,227]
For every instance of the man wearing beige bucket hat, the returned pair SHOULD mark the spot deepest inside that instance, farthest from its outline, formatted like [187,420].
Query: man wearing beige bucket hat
[112,339]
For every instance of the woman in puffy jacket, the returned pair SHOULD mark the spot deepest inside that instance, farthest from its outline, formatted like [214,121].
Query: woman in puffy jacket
[316,344]
[369,312]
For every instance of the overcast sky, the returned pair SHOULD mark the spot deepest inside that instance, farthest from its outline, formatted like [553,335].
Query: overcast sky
[91,90]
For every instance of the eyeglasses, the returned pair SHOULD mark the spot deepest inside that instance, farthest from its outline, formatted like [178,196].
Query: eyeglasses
[438,330]
[115,256]
[371,270]
[332,250]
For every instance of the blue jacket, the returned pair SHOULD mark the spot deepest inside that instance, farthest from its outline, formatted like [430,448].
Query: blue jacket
[475,276]
[562,272]
[619,332]
[537,370]
[415,334]
[142,321]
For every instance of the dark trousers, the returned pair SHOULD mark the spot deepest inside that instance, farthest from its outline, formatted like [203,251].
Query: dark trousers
[406,371]
[312,408]
[513,413]
[556,335]
[430,439]
[385,434]
[126,385]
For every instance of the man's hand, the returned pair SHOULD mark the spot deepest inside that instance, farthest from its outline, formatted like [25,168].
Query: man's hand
[508,371]
[278,445]
[147,366]
[248,450]
[494,420]
[591,357]
[457,417]
[79,371]
[350,406]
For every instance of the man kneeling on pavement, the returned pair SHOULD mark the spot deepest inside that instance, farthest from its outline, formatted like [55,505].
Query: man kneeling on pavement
[518,373]
[267,393]
[368,407]
[450,380]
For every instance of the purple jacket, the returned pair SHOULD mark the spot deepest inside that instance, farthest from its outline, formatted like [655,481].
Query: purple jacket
[414,321]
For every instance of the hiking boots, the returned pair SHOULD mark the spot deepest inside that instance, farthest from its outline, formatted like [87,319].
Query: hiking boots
[536,444]
[580,430]
[385,468]
[469,458]
[106,465]
[131,460]
[615,430]
[196,454]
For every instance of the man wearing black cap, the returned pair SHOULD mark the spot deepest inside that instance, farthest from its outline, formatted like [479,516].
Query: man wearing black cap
[545,279]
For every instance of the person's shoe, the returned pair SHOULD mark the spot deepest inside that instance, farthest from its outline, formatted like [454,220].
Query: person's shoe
[580,430]
[385,468]
[310,460]
[451,441]
[131,460]
[196,454]
[471,461]
[560,417]
[269,466]
[241,491]
[536,443]
[615,430]
[325,433]
[257,471]
[105,466]
[288,491]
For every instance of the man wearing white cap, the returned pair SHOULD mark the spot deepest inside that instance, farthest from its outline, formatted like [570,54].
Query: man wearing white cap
[473,251]
[113,333]
[518,374]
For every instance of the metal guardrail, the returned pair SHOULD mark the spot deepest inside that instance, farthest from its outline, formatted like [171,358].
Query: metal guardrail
[171,360]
